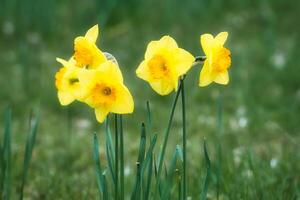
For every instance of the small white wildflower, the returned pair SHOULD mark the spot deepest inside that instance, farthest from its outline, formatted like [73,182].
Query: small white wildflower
[278,60]
[127,171]
[243,122]
[273,162]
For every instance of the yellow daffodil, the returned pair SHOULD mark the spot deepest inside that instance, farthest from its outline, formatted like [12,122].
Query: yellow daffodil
[164,63]
[106,91]
[67,82]
[87,54]
[215,68]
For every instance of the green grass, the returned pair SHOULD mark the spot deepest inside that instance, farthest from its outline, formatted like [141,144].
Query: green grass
[255,156]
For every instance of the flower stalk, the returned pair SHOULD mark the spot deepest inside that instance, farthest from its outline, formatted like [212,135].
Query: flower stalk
[183,136]
[116,157]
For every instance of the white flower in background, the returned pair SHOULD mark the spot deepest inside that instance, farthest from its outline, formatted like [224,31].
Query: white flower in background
[243,122]
[127,171]
[273,162]
[278,60]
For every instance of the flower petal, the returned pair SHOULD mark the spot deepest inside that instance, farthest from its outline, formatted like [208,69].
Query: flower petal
[92,34]
[65,98]
[207,43]
[222,78]
[142,71]
[205,75]
[124,103]
[162,87]
[101,113]
[166,42]
[221,38]
[112,72]
[183,61]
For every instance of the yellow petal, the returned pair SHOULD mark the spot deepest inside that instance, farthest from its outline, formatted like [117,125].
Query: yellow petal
[162,87]
[221,38]
[101,114]
[124,103]
[142,71]
[183,61]
[222,78]
[165,43]
[168,42]
[207,43]
[112,71]
[65,98]
[92,34]
[205,75]
[87,53]
[64,62]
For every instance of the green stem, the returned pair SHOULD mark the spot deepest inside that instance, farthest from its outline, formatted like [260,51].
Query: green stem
[162,155]
[116,158]
[219,135]
[121,157]
[183,137]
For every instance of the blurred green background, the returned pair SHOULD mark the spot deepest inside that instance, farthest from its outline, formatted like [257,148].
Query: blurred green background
[261,105]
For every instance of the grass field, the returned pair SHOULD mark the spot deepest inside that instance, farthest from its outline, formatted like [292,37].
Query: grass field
[260,131]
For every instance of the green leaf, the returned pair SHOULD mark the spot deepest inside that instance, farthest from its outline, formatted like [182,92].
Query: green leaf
[96,156]
[176,164]
[149,178]
[110,152]
[137,189]
[28,151]
[208,171]
[149,120]
[6,156]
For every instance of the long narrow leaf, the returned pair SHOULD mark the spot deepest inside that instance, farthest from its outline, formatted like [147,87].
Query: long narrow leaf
[208,171]
[110,153]
[28,151]
[7,156]
[149,178]
[141,156]
[177,157]
[100,181]
[149,153]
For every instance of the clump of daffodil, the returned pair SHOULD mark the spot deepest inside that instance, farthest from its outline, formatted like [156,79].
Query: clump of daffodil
[217,62]
[164,63]
[86,53]
[94,78]
[106,91]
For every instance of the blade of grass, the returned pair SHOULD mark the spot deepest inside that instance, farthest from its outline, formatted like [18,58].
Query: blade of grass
[149,120]
[28,151]
[110,153]
[208,171]
[137,189]
[96,156]
[7,155]
[105,188]
[177,157]
[149,178]
[149,153]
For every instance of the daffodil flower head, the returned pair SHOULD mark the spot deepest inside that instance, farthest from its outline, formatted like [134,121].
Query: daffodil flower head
[87,55]
[107,93]
[163,64]
[67,82]
[218,61]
